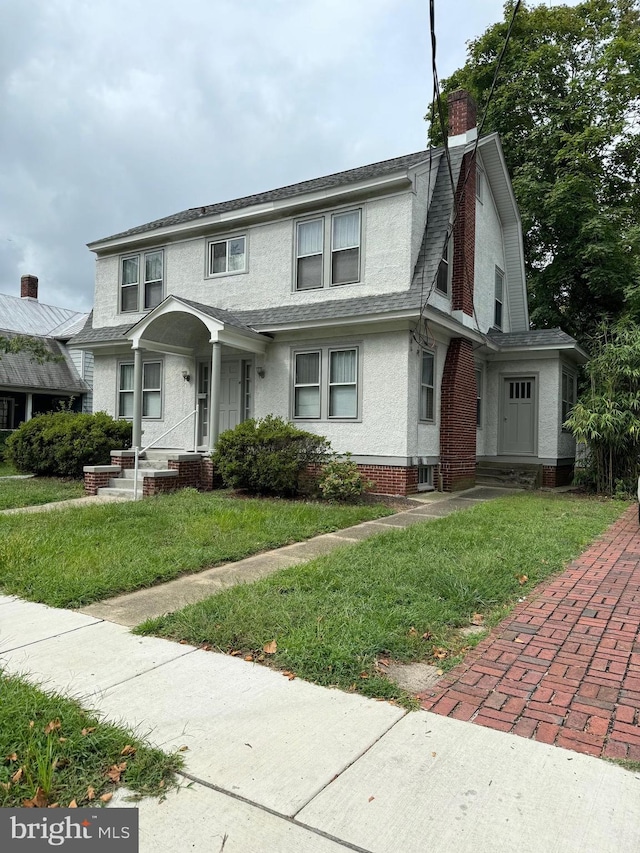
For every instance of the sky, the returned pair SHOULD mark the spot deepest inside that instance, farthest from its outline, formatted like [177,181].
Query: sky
[117,112]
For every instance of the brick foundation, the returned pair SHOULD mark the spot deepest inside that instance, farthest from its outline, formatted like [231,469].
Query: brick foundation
[391,479]
[557,475]
[159,486]
[124,461]
[189,473]
[458,417]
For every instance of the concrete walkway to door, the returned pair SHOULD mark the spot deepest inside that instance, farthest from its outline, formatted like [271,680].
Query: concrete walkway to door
[564,667]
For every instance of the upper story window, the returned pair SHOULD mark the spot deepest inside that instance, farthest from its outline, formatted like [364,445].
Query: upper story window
[499,298]
[328,250]
[443,279]
[326,383]
[227,256]
[427,386]
[479,185]
[141,281]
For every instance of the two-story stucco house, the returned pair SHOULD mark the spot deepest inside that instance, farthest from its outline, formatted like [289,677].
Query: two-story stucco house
[383,307]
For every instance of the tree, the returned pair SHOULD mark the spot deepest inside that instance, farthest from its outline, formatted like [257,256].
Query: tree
[607,415]
[35,347]
[567,106]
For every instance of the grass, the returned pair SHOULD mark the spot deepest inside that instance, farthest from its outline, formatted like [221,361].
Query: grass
[71,557]
[38,490]
[54,752]
[7,469]
[401,594]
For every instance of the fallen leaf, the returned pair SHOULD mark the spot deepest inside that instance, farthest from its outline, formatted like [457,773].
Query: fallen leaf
[184,642]
[235,654]
[522,579]
[116,770]
[161,783]
[518,640]
[91,794]
[63,739]
[364,675]
[248,657]
[427,635]
[17,776]
[412,631]
[51,726]
[384,661]
[31,724]
[270,648]
[12,757]
[106,797]
[206,647]
[371,798]
[72,805]
[183,748]
[128,750]
[5,785]
[439,671]
[38,801]
[439,652]
[477,619]
[88,731]
[53,805]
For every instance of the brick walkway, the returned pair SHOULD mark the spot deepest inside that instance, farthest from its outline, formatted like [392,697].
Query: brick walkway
[564,668]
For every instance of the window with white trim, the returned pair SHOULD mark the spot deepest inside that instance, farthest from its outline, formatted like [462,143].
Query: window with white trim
[326,383]
[443,278]
[327,250]
[479,391]
[141,281]
[227,256]
[568,394]
[151,389]
[498,298]
[427,386]
[480,185]
[425,477]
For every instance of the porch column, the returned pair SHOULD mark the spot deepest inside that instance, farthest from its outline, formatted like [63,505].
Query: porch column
[28,407]
[214,408]
[137,398]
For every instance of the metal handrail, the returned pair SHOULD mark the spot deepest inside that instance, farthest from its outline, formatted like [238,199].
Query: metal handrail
[138,452]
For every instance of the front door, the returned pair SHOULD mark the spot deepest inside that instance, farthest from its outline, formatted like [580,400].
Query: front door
[519,416]
[230,394]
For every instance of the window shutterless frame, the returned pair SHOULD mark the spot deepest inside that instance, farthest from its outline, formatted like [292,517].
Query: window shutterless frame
[326,383]
[328,250]
[427,386]
[499,298]
[479,395]
[443,277]
[568,396]
[152,374]
[141,281]
[227,256]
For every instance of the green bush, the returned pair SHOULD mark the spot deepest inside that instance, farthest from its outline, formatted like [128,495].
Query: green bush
[267,456]
[4,435]
[340,480]
[59,444]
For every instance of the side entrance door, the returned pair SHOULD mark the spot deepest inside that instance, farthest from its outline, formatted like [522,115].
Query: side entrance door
[518,433]
[230,394]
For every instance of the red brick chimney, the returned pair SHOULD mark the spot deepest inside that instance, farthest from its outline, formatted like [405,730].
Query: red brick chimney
[462,112]
[29,287]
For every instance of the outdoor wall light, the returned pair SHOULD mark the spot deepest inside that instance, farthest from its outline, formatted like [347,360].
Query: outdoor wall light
[260,372]
[186,376]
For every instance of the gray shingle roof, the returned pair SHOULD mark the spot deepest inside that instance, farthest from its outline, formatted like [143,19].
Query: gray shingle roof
[350,176]
[220,314]
[531,338]
[19,370]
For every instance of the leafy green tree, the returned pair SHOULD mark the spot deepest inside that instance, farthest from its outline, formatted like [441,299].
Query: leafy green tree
[567,107]
[606,417]
[35,347]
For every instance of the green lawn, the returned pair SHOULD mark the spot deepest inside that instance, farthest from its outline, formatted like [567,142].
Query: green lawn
[53,750]
[7,469]
[37,490]
[401,594]
[73,556]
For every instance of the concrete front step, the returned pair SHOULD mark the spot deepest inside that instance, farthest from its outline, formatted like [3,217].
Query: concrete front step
[111,491]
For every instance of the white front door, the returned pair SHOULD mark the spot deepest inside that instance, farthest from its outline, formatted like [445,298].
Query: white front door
[230,394]
[518,434]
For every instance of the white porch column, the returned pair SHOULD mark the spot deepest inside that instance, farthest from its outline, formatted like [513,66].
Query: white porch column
[214,407]
[28,412]
[137,398]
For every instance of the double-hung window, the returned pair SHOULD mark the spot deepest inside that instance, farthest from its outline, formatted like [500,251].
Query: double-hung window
[227,256]
[141,281]
[427,386]
[328,250]
[151,389]
[568,394]
[443,278]
[499,298]
[326,383]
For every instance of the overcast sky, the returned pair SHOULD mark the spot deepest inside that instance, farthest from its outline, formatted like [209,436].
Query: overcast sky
[117,112]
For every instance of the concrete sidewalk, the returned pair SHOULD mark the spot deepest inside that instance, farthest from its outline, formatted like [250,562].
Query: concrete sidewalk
[283,765]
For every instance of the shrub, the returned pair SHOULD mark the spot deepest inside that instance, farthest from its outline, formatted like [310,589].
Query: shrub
[340,480]
[59,444]
[4,435]
[267,456]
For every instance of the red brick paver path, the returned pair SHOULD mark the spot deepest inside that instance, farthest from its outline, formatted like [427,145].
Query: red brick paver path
[564,668]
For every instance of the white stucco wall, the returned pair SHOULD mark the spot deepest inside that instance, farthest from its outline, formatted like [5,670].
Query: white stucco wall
[424,438]
[546,371]
[382,430]
[489,255]
[386,265]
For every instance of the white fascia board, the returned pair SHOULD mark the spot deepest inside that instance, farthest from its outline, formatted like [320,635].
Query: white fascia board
[554,349]
[247,343]
[198,226]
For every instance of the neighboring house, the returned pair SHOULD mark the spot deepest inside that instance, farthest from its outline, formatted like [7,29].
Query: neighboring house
[343,304]
[27,387]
